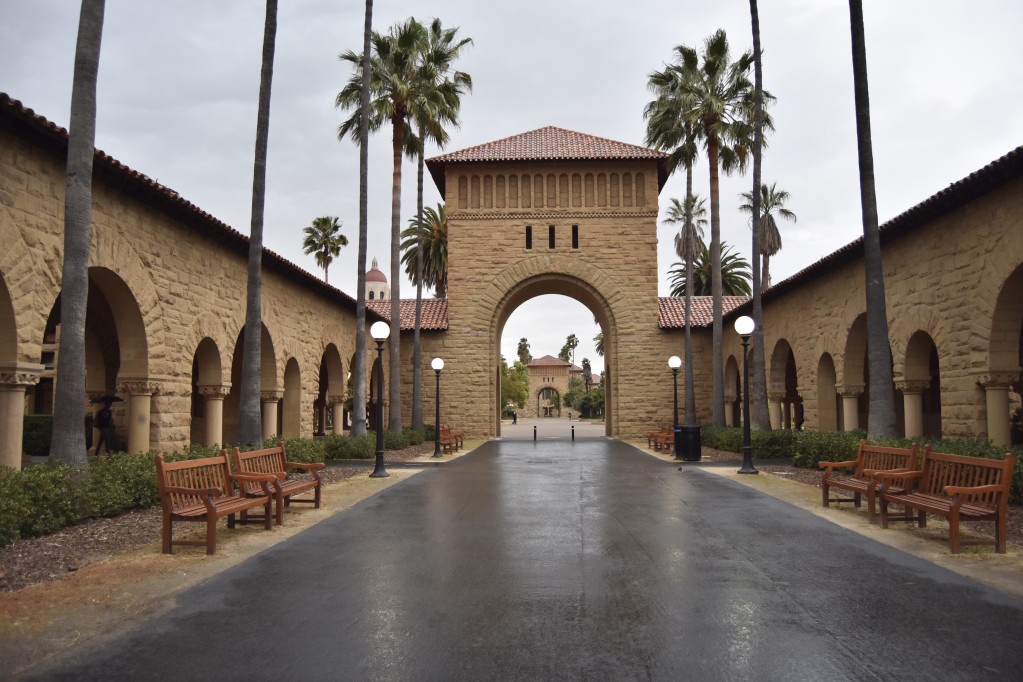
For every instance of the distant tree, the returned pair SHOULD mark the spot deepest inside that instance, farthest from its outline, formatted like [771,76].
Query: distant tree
[735,274]
[567,353]
[324,240]
[523,351]
[514,384]
[772,203]
[599,341]
[432,241]
[67,443]
[587,374]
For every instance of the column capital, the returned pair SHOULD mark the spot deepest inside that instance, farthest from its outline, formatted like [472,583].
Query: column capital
[776,397]
[270,396]
[20,373]
[335,400]
[997,380]
[138,387]
[916,386]
[215,392]
[850,390]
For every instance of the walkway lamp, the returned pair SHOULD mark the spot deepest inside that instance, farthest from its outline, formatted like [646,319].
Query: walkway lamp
[744,328]
[438,365]
[675,362]
[380,331]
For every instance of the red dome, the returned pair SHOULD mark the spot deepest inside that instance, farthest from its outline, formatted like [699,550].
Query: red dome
[375,275]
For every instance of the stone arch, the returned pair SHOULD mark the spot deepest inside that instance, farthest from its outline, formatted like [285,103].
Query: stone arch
[784,402]
[1005,358]
[568,277]
[854,356]
[290,417]
[545,404]
[331,390]
[268,383]
[8,326]
[921,387]
[827,395]
[207,388]
[127,318]
[733,392]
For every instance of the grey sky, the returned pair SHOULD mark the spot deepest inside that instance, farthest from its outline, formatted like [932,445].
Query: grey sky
[178,84]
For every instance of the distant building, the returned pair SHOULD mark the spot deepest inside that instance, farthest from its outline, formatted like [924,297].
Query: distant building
[377,288]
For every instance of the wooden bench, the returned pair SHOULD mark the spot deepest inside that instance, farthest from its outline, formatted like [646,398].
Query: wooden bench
[275,461]
[458,436]
[653,438]
[870,459]
[449,442]
[204,490]
[957,487]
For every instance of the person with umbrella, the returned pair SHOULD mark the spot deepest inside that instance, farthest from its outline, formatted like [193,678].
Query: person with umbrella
[104,422]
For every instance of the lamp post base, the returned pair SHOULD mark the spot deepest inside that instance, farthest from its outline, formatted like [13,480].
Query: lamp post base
[747,461]
[379,471]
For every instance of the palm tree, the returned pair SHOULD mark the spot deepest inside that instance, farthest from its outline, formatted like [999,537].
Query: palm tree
[249,430]
[392,79]
[720,99]
[324,239]
[598,340]
[735,274]
[437,103]
[431,243]
[688,245]
[68,438]
[523,351]
[881,410]
[772,203]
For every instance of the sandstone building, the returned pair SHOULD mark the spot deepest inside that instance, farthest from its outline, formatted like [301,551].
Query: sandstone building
[546,212]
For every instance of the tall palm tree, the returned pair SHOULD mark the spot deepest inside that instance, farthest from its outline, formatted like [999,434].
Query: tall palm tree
[437,103]
[598,341]
[424,251]
[772,203]
[68,438]
[523,351]
[720,99]
[324,240]
[735,274]
[688,245]
[881,410]
[759,417]
[249,430]
[392,79]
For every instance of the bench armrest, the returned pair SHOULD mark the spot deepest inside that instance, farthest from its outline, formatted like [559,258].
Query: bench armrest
[870,473]
[972,490]
[836,465]
[898,474]
[311,466]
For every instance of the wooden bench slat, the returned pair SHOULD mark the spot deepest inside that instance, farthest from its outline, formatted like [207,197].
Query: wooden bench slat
[870,460]
[274,462]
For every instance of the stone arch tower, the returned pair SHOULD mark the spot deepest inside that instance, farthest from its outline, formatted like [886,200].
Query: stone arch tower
[552,211]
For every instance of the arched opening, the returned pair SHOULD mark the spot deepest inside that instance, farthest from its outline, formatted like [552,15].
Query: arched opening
[268,389]
[207,395]
[827,397]
[8,327]
[594,315]
[330,391]
[548,402]
[374,393]
[784,402]
[733,392]
[290,416]
[1005,357]
[921,391]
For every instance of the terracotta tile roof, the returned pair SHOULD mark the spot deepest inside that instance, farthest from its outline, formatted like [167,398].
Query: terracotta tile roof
[24,122]
[547,144]
[672,310]
[548,361]
[435,313]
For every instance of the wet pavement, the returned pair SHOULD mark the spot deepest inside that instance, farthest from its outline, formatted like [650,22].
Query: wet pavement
[558,560]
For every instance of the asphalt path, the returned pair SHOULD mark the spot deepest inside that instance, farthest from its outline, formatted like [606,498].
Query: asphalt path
[578,561]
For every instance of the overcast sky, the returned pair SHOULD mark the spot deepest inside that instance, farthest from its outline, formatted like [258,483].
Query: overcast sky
[178,84]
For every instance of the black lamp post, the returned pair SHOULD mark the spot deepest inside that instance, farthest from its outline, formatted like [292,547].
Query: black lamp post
[438,365]
[380,331]
[675,362]
[744,328]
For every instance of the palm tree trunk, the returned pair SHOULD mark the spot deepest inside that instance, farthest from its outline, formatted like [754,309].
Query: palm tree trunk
[394,340]
[759,417]
[717,369]
[417,361]
[68,437]
[359,370]
[249,431]
[765,277]
[881,411]
[690,386]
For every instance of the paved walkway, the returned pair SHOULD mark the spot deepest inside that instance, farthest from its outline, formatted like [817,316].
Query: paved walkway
[555,560]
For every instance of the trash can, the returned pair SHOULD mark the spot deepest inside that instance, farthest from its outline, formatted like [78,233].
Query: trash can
[688,437]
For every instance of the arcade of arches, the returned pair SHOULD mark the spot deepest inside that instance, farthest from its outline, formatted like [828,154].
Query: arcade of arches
[167,291]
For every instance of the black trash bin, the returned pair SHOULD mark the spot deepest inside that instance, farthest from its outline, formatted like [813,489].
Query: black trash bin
[689,438]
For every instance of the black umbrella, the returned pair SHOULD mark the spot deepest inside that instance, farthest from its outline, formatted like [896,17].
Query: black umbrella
[107,399]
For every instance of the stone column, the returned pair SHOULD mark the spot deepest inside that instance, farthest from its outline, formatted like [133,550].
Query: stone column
[996,391]
[730,410]
[774,401]
[270,400]
[787,417]
[213,397]
[15,378]
[337,406]
[913,405]
[140,394]
[851,406]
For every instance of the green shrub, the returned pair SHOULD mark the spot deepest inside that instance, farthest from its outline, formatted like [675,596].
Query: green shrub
[119,483]
[307,450]
[349,447]
[53,498]
[13,507]
[727,438]
[36,436]
[812,447]
[776,444]
[394,440]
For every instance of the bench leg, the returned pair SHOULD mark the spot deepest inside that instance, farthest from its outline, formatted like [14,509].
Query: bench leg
[230,520]
[825,492]
[168,530]
[871,506]
[856,500]
[953,533]
[884,512]
[280,508]
[316,504]
[1000,522]
[921,519]
[268,518]
[211,533]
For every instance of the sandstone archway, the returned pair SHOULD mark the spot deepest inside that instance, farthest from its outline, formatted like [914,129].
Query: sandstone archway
[827,397]
[733,392]
[291,415]
[208,393]
[921,387]
[270,392]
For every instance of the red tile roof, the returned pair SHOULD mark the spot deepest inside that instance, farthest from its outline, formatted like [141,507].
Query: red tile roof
[547,144]
[548,361]
[435,313]
[672,310]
